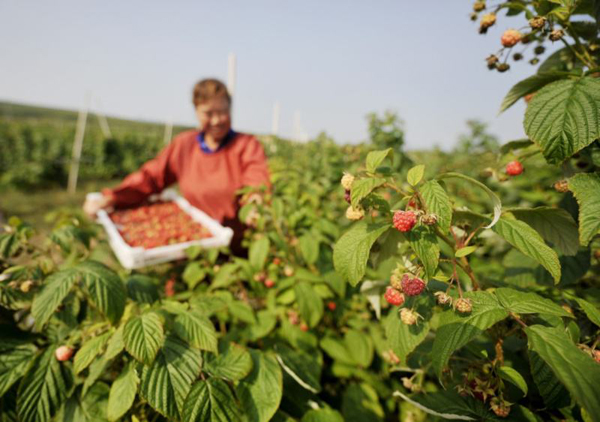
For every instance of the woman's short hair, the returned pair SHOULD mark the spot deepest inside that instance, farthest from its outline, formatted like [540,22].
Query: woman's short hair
[208,89]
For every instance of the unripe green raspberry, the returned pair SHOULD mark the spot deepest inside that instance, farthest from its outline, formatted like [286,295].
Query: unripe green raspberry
[408,316]
[354,214]
[464,306]
[347,180]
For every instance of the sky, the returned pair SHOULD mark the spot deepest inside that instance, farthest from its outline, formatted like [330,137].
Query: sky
[327,63]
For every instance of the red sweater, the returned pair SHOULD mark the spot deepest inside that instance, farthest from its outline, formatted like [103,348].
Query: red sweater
[208,181]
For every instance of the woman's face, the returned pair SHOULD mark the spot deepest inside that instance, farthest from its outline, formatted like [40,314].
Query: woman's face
[214,118]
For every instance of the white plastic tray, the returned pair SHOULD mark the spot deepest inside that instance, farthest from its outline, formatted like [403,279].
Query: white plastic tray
[137,257]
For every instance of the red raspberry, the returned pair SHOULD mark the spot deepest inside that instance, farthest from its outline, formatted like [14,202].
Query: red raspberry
[511,37]
[269,283]
[170,287]
[404,221]
[412,286]
[63,353]
[304,326]
[514,168]
[394,297]
[331,306]
[347,196]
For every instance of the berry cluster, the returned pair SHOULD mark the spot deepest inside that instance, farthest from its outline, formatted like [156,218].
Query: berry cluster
[157,224]
[400,287]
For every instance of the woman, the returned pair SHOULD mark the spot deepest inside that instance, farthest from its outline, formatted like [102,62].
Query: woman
[209,164]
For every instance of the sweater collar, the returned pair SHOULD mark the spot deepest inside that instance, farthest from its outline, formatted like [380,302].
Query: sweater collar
[228,138]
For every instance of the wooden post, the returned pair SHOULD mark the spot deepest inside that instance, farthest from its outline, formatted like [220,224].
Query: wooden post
[275,124]
[168,131]
[77,146]
[104,127]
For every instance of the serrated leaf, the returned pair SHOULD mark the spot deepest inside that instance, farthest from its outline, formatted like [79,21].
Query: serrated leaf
[363,187]
[322,415]
[143,336]
[496,203]
[360,347]
[142,289]
[585,187]
[528,303]
[105,289]
[88,352]
[415,174]
[259,250]
[555,225]
[529,86]
[520,235]
[309,247]
[578,372]
[448,405]
[197,330]
[302,367]
[88,407]
[375,158]
[467,250]
[233,362]
[352,250]
[166,383]
[337,350]
[13,364]
[43,389]
[193,274]
[55,289]
[210,401]
[457,329]
[266,376]
[552,391]
[310,303]
[242,311]
[590,310]
[513,376]
[122,392]
[402,338]
[424,243]
[438,202]
[361,403]
[563,118]
[517,144]
[265,323]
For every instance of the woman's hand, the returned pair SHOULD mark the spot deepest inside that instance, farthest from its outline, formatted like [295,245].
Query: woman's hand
[94,204]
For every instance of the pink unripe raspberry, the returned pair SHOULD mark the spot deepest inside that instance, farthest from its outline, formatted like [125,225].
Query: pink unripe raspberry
[269,283]
[304,326]
[464,306]
[288,271]
[404,221]
[597,355]
[511,37]
[514,168]
[412,286]
[394,297]
[63,353]
[408,316]
[561,186]
[396,280]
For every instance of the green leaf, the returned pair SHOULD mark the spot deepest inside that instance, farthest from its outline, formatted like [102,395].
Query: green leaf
[360,347]
[563,118]
[415,174]
[512,145]
[233,362]
[555,225]
[310,303]
[512,376]
[585,187]
[55,290]
[309,246]
[457,329]
[590,310]
[530,243]
[122,392]
[259,250]
[437,202]
[43,389]
[322,415]
[363,187]
[197,330]
[449,405]
[167,382]
[467,250]
[375,158]
[88,352]
[105,289]
[352,250]
[402,338]
[337,350]
[210,401]
[265,323]
[361,403]
[242,311]
[301,366]
[578,372]
[13,364]
[193,274]
[529,86]
[88,407]
[493,197]
[266,376]
[552,391]
[528,303]
[143,336]
[142,289]
[424,243]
